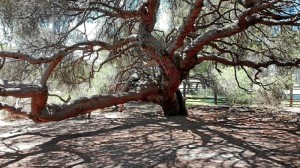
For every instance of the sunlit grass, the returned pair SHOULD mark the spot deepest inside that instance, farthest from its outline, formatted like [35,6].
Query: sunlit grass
[194,100]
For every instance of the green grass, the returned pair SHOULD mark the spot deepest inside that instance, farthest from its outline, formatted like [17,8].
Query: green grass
[208,101]
[199,103]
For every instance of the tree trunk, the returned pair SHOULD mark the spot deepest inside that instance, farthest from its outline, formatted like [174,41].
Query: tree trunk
[174,106]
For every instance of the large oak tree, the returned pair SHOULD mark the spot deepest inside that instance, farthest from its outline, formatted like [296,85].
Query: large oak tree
[56,37]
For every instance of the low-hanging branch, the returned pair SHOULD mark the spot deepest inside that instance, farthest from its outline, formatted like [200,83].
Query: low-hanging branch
[13,110]
[87,104]
[125,34]
[18,90]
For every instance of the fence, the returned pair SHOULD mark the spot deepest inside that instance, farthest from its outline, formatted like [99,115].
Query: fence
[192,86]
[210,100]
[294,95]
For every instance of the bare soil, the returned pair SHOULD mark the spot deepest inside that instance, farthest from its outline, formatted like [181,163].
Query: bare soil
[142,137]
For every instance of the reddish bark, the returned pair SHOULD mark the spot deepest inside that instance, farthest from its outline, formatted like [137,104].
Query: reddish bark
[38,104]
[188,40]
[86,105]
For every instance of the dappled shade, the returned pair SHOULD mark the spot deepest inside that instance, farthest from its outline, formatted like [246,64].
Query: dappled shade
[221,137]
[68,43]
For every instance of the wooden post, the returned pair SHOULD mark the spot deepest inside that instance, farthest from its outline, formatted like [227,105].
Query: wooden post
[197,84]
[184,89]
[215,96]
[291,97]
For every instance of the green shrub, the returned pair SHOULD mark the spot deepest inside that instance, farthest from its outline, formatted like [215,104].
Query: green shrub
[272,94]
[228,86]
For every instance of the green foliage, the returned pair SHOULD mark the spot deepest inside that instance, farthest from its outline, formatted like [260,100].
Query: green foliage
[202,68]
[273,94]
[103,80]
[208,92]
[228,86]
[71,73]
[41,28]
[98,85]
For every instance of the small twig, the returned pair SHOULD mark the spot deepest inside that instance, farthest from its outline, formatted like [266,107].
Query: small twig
[62,99]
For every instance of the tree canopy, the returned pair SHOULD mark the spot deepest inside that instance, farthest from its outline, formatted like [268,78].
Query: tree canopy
[160,41]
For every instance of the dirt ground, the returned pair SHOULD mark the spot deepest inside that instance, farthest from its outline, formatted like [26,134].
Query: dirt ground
[142,137]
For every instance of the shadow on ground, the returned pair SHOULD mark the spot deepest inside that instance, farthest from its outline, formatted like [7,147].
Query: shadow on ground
[146,139]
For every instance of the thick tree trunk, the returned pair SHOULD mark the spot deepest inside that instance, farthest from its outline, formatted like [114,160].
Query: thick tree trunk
[174,106]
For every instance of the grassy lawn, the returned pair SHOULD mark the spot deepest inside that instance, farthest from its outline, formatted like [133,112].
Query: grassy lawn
[194,100]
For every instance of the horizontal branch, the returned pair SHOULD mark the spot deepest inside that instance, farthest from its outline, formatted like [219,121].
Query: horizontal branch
[246,63]
[280,23]
[247,18]
[88,104]
[13,110]
[19,90]
[103,45]
[114,12]
[56,58]
[30,59]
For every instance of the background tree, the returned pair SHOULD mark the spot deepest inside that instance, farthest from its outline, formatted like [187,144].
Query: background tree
[70,41]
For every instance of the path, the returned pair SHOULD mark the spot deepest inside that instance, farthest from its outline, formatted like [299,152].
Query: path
[209,137]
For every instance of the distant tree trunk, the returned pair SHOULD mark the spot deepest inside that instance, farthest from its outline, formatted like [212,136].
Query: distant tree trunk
[174,106]
[197,84]
[215,98]
[215,95]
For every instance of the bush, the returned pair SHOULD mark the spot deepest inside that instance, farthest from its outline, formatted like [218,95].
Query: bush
[272,94]
[228,86]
